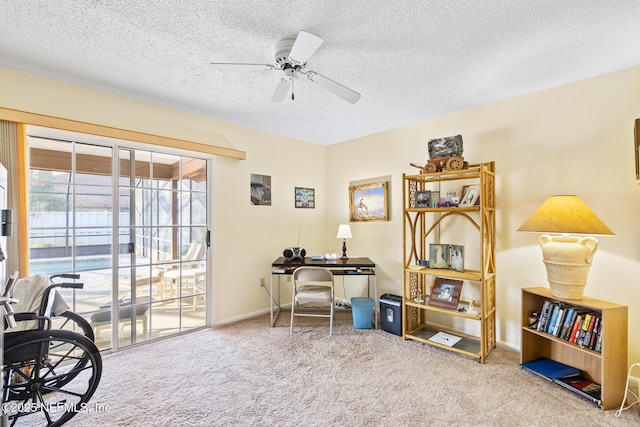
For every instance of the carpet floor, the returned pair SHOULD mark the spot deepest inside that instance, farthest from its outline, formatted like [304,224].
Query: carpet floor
[248,374]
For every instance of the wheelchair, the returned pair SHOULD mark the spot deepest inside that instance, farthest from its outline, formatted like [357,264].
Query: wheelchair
[49,373]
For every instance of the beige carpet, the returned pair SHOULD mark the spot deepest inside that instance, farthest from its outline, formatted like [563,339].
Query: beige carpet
[248,374]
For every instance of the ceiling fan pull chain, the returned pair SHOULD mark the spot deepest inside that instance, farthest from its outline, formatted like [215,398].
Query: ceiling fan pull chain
[292,95]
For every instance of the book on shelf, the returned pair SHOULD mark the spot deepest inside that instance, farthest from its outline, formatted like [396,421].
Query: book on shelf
[550,369]
[585,327]
[553,318]
[543,317]
[566,325]
[562,314]
[582,386]
[594,333]
[589,332]
[576,327]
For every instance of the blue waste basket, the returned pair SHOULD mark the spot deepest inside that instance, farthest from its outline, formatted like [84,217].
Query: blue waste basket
[362,311]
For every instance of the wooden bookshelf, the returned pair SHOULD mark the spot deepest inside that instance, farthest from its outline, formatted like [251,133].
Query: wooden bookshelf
[607,367]
[423,226]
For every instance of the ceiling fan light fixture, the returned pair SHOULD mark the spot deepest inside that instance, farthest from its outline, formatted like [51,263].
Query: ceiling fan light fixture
[290,56]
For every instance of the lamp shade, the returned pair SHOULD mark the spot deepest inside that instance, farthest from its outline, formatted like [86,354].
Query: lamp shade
[344,231]
[567,215]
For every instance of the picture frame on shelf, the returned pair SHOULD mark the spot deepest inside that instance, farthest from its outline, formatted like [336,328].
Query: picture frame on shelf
[446,293]
[464,189]
[305,197]
[369,202]
[435,199]
[439,256]
[457,257]
[470,196]
[423,199]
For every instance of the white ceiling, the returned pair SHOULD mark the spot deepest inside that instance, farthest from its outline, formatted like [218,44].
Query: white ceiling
[410,59]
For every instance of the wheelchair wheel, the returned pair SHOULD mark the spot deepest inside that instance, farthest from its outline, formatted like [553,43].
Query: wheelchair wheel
[49,376]
[71,321]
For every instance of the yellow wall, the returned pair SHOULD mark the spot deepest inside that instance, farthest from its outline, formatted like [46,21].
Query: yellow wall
[574,139]
[246,238]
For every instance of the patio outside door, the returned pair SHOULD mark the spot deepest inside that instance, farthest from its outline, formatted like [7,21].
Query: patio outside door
[133,223]
[163,243]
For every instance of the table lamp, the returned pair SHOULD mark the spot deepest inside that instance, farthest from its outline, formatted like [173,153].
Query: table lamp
[566,258]
[344,232]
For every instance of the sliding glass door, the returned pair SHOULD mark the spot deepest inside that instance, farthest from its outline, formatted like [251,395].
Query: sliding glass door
[133,223]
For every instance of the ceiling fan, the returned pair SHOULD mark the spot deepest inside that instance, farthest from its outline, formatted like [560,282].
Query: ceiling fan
[290,56]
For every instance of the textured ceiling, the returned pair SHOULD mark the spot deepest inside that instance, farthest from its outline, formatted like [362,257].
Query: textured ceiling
[410,60]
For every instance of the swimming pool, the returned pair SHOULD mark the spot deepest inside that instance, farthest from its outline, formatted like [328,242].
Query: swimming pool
[64,265]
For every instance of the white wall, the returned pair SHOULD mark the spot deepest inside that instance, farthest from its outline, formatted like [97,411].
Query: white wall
[575,139]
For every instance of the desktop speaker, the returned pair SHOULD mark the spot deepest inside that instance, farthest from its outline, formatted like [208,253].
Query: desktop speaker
[294,254]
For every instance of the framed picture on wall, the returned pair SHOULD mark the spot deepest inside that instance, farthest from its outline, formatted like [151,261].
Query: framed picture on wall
[369,202]
[636,134]
[260,189]
[305,197]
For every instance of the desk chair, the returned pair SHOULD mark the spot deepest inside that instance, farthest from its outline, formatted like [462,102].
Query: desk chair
[312,289]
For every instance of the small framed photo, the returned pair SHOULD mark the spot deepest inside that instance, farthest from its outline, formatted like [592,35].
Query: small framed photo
[470,196]
[457,257]
[464,190]
[305,197]
[423,199]
[439,256]
[435,199]
[445,293]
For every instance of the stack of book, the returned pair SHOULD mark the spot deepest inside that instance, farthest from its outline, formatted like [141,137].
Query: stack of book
[567,376]
[576,325]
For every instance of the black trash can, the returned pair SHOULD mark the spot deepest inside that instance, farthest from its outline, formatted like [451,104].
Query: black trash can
[391,313]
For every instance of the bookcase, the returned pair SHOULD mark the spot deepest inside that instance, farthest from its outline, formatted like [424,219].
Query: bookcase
[432,223]
[606,367]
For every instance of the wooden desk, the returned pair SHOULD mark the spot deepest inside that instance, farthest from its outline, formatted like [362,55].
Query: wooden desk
[349,267]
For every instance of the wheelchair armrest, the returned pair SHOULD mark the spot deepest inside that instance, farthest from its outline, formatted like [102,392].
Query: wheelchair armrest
[23,317]
[44,321]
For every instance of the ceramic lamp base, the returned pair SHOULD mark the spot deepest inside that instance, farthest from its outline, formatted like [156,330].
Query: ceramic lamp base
[567,260]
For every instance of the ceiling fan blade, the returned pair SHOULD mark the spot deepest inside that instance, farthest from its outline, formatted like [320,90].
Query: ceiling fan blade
[334,87]
[281,90]
[304,46]
[241,67]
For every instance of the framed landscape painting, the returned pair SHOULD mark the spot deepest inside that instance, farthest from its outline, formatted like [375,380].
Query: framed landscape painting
[369,202]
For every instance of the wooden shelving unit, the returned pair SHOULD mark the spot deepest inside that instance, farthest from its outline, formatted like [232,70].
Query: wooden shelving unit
[607,367]
[423,226]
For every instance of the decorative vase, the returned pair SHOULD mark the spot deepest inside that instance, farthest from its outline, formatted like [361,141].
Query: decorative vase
[568,260]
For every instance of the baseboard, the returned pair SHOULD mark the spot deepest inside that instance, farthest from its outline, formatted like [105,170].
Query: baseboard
[243,317]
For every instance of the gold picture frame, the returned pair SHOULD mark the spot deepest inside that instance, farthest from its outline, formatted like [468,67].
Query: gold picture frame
[369,202]
[636,149]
